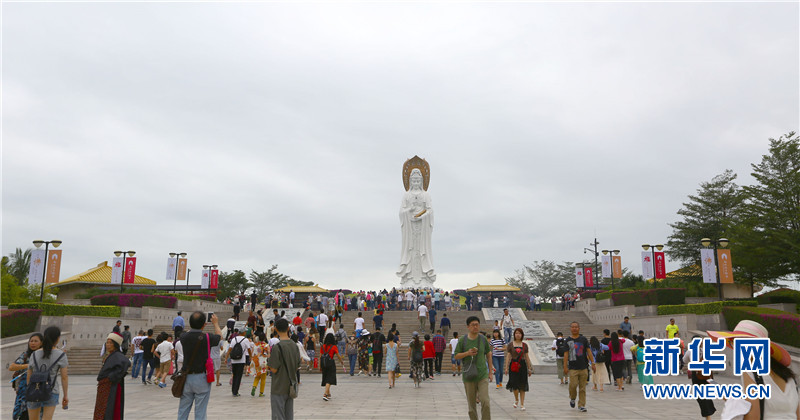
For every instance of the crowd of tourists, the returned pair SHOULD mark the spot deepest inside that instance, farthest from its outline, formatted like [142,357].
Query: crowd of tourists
[278,347]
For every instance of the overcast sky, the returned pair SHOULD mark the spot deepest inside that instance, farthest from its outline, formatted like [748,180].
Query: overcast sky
[255,134]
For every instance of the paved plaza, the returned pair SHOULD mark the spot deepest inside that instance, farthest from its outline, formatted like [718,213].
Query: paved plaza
[368,398]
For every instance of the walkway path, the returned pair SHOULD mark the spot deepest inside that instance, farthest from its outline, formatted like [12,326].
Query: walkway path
[442,398]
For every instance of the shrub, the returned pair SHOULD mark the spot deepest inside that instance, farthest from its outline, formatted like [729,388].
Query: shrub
[18,321]
[56,309]
[135,300]
[588,294]
[783,327]
[606,294]
[97,291]
[650,297]
[780,296]
[703,308]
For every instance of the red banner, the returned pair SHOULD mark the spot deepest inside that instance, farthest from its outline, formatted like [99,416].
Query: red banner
[130,270]
[588,279]
[214,279]
[661,265]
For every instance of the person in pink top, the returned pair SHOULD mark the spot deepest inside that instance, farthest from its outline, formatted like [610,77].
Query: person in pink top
[617,359]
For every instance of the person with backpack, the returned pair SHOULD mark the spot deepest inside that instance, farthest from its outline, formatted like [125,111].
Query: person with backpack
[110,401]
[474,349]
[560,346]
[415,349]
[327,365]
[577,360]
[599,353]
[378,340]
[238,352]
[46,363]
[20,381]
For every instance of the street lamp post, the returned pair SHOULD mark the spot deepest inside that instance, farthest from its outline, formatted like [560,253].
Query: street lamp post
[177,263]
[652,249]
[706,242]
[616,252]
[38,243]
[209,268]
[596,254]
[125,255]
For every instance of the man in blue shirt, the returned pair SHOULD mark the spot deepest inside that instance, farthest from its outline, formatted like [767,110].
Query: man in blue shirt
[444,324]
[177,326]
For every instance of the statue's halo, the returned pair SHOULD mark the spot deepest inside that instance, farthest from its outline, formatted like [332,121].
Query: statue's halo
[416,163]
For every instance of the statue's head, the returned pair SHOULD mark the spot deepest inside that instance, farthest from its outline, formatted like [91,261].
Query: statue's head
[416,179]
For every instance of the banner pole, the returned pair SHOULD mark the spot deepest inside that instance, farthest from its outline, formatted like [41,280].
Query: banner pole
[44,274]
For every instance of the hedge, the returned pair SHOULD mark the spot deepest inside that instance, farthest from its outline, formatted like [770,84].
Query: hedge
[780,296]
[703,308]
[606,294]
[783,327]
[18,321]
[135,300]
[56,309]
[650,297]
[588,294]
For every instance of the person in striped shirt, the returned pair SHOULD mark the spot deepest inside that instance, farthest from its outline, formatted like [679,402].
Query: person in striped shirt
[498,357]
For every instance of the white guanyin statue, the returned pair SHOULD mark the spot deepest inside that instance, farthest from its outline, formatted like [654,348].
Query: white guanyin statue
[416,225]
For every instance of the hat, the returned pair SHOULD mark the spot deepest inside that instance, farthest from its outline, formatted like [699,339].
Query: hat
[115,337]
[364,332]
[748,328]
[415,334]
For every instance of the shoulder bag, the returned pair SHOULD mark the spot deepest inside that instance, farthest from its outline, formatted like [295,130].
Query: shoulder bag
[292,377]
[209,362]
[179,377]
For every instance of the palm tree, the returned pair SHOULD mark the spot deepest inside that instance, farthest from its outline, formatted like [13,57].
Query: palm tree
[20,265]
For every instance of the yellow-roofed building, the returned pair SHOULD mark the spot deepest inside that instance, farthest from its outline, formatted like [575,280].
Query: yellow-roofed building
[93,277]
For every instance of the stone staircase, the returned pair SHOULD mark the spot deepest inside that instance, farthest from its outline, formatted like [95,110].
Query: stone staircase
[560,321]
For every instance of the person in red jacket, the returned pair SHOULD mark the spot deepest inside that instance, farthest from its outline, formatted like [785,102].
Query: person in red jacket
[428,354]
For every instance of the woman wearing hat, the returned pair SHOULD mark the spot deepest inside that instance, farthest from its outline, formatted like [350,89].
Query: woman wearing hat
[784,402]
[110,402]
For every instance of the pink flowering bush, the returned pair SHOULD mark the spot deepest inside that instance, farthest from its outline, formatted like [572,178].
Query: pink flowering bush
[18,321]
[783,327]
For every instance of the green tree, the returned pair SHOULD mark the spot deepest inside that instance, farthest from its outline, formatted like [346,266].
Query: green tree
[709,214]
[232,284]
[768,238]
[19,265]
[267,281]
[545,278]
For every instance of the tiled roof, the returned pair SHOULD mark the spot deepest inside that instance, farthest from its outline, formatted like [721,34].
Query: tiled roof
[101,275]
[493,288]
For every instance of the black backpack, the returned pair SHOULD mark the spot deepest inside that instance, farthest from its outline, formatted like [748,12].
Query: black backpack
[561,347]
[40,388]
[237,352]
[416,355]
[601,357]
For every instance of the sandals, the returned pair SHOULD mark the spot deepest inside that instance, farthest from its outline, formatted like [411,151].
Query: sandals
[515,404]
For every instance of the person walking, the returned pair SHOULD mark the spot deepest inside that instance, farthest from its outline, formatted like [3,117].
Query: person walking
[110,401]
[444,324]
[432,319]
[428,354]
[178,324]
[20,381]
[439,344]
[352,353]
[519,368]
[638,351]
[363,353]
[138,352]
[415,356]
[601,374]
[197,389]
[327,365]
[576,366]
[423,316]
[126,339]
[672,328]
[560,348]
[53,361]
[165,352]
[475,348]
[242,347]
[391,359]
[283,363]
[617,360]
[148,359]
[507,324]
[627,344]
[378,339]
[498,357]
[260,357]
[455,365]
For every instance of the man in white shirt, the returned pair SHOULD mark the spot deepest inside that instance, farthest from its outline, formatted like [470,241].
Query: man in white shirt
[137,354]
[322,324]
[358,325]
[409,300]
[456,364]
[626,351]
[291,297]
[165,351]
[238,365]
[423,316]
[506,324]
